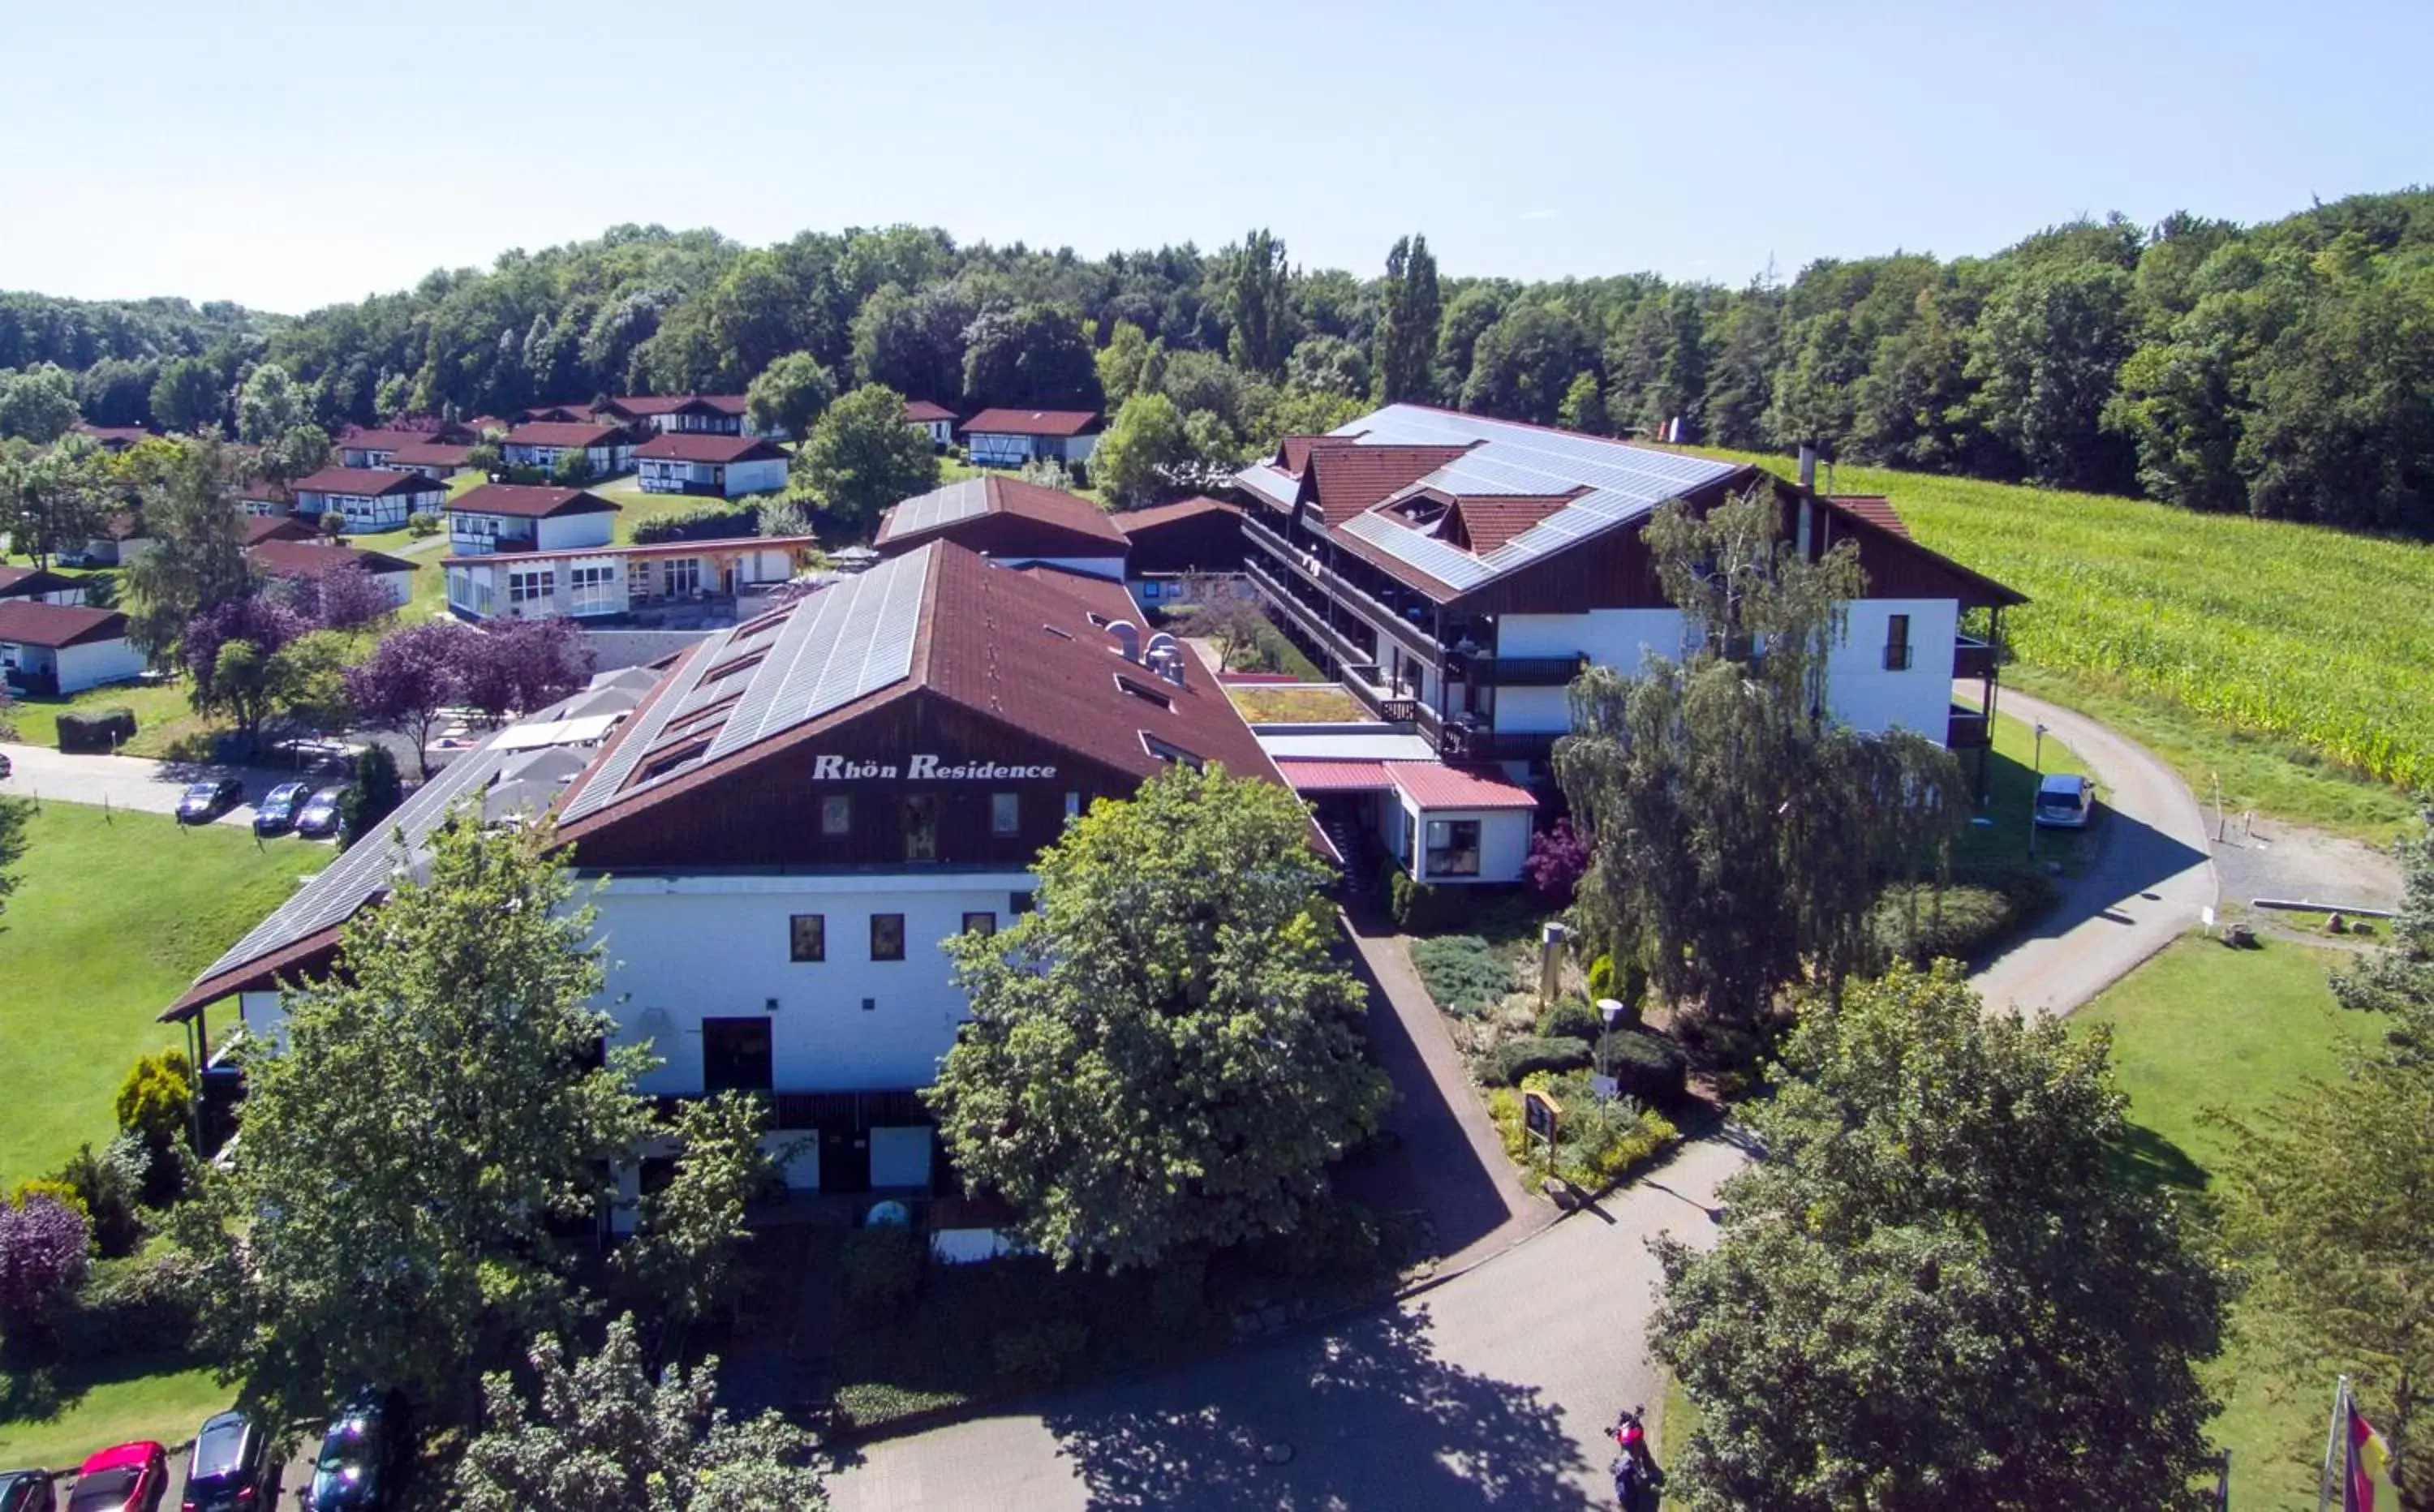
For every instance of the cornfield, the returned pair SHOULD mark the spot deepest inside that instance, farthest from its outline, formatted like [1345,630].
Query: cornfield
[2315,637]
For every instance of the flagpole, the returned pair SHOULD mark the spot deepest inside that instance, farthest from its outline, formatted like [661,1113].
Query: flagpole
[2332,1438]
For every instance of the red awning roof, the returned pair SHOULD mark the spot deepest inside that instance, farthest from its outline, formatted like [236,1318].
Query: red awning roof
[1336,777]
[1432,786]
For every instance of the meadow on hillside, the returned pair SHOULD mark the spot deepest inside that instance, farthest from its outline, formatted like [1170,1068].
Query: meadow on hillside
[2318,637]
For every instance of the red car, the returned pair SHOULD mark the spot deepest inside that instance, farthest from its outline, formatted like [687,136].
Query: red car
[130,1478]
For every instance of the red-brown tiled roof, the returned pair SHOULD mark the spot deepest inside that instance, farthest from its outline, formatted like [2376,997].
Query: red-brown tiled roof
[428,453]
[693,446]
[922,411]
[1031,422]
[1433,786]
[1293,452]
[262,488]
[1101,596]
[1488,520]
[1157,515]
[557,433]
[29,623]
[1347,480]
[639,405]
[527,502]
[288,558]
[370,482]
[1336,777]
[384,440]
[720,547]
[261,528]
[31,582]
[1875,508]
[577,412]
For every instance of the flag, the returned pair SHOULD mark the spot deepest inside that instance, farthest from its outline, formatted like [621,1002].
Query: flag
[2364,1461]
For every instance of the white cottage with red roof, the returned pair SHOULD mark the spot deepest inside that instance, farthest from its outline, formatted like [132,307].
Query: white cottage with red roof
[1014,437]
[368,499]
[785,819]
[722,466]
[541,443]
[54,649]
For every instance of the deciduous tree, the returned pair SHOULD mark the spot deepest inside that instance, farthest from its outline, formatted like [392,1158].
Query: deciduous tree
[439,1107]
[1738,836]
[601,1433]
[1258,313]
[1938,1289]
[861,457]
[686,1245]
[1163,1055]
[1028,356]
[198,562]
[269,405]
[789,395]
[43,1243]
[1407,333]
[53,501]
[187,397]
[408,679]
[1135,462]
[37,405]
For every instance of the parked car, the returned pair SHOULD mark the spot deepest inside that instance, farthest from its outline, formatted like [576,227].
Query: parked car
[206,801]
[2065,801]
[360,1456]
[318,818]
[229,1469]
[277,810]
[6,773]
[130,1478]
[27,1492]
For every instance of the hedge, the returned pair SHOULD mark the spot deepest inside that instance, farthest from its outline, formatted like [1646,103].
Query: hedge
[1647,1066]
[101,730]
[702,522]
[1971,915]
[1597,1143]
[1509,1063]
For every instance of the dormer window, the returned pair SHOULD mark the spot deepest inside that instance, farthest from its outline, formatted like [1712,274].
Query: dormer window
[1169,752]
[1143,691]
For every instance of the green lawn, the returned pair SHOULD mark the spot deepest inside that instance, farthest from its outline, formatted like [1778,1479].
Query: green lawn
[2202,1026]
[111,918]
[165,725]
[56,1418]
[1297,705]
[2012,770]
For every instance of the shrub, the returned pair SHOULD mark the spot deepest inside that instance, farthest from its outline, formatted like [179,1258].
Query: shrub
[1597,1143]
[1335,1238]
[1422,907]
[111,1185]
[1509,1063]
[42,1258]
[55,1189]
[1647,1066]
[1039,1352]
[1571,1019]
[372,797]
[701,522]
[129,1306]
[1601,978]
[156,1098]
[1463,973]
[423,522]
[882,1271]
[102,729]
[1919,922]
[1556,860]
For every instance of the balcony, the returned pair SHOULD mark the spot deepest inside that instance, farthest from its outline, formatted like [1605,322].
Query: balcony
[1972,658]
[1964,729]
[1516,671]
[1344,648]
[1470,742]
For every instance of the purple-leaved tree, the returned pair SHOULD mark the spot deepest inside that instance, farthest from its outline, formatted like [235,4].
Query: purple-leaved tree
[43,1248]
[344,597]
[410,676]
[521,665]
[1556,860]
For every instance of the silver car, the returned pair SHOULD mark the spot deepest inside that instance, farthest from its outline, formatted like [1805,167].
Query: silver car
[2065,801]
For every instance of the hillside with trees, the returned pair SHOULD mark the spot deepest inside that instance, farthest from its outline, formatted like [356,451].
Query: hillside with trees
[2284,370]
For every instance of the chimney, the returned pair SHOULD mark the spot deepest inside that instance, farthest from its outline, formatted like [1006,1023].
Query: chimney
[1127,639]
[1809,466]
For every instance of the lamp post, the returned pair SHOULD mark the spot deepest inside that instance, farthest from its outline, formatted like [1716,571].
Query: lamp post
[2036,784]
[1609,1009]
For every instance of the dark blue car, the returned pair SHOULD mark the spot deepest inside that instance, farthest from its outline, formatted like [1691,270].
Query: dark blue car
[277,810]
[229,1465]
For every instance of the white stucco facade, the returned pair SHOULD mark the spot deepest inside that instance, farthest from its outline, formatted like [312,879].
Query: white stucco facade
[681,950]
[76,668]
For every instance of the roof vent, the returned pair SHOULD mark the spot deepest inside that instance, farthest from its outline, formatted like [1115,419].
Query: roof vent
[1127,639]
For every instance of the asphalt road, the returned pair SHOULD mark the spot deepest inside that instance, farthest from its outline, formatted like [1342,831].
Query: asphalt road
[2151,881]
[1492,1389]
[130,783]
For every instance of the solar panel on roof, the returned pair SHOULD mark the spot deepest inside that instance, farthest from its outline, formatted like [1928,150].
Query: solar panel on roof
[957,500]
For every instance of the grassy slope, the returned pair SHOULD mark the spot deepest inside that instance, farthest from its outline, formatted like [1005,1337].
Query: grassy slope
[109,922]
[2279,657]
[166,724]
[81,1410]
[2201,1027]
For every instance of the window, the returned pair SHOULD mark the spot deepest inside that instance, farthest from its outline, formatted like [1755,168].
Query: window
[806,937]
[836,814]
[1168,750]
[1897,643]
[888,937]
[683,575]
[593,589]
[1142,691]
[1019,904]
[980,924]
[735,1055]
[921,827]
[1005,813]
[1453,847]
[1072,804]
[533,586]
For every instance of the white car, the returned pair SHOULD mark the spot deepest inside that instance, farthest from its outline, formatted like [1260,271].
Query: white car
[2065,801]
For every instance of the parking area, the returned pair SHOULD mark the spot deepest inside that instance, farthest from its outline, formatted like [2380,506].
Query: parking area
[130,782]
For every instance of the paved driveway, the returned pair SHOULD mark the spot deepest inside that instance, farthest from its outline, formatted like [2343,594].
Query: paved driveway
[1492,1390]
[2152,876]
[127,782]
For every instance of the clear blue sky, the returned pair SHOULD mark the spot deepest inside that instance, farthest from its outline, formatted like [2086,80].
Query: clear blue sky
[288,154]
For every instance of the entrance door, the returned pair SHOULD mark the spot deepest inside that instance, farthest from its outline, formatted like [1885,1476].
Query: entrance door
[736,1055]
[845,1160]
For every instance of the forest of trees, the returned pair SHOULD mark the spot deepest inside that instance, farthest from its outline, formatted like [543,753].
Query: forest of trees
[2285,369]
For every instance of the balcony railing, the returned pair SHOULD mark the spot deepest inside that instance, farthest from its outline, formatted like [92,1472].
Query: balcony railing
[1964,729]
[1470,743]
[1312,619]
[1514,672]
[1972,658]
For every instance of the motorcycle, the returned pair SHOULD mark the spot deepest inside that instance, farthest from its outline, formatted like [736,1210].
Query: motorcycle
[1633,1468]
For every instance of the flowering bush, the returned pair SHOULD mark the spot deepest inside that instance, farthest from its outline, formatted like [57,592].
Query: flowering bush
[1556,860]
[43,1248]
